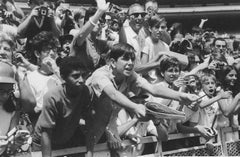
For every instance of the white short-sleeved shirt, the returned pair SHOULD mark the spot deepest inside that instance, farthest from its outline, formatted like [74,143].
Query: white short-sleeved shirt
[40,84]
[153,50]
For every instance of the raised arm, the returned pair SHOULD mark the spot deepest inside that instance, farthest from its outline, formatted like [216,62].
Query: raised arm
[88,27]
[23,27]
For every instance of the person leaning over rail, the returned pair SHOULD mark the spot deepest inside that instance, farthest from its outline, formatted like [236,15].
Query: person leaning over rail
[58,124]
[118,79]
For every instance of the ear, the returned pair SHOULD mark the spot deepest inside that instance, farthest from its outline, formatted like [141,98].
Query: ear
[112,62]
[37,53]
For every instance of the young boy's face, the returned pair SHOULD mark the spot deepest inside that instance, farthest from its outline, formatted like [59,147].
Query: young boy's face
[209,86]
[171,74]
[48,52]
[124,66]
[76,79]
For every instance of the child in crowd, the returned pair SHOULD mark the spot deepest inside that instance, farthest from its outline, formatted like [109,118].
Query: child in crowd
[58,124]
[47,75]
[153,46]
[117,80]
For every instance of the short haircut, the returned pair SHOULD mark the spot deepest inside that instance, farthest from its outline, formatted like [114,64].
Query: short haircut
[122,49]
[42,39]
[156,20]
[169,62]
[218,39]
[69,64]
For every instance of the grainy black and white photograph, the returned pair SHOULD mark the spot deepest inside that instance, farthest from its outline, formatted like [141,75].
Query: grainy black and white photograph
[119,78]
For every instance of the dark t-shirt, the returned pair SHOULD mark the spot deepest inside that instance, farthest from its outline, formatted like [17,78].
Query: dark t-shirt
[33,29]
[62,114]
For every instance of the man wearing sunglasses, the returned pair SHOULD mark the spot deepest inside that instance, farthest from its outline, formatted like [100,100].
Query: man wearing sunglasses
[130,33]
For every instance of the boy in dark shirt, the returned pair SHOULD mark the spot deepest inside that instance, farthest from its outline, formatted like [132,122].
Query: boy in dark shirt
[58,125]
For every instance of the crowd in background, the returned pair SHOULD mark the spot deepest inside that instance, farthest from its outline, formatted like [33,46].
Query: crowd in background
[80,77]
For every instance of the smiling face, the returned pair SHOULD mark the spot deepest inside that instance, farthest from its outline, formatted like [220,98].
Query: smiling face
[136,14]
[231,78]
[171,74]
[6,52]
[209,86]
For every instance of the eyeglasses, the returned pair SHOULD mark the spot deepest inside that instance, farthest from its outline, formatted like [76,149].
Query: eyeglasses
[136,15]
[4,91]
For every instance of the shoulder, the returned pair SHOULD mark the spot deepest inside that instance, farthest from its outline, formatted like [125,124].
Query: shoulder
[56,93]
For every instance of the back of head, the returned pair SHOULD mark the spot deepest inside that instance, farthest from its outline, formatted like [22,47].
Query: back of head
[6,73]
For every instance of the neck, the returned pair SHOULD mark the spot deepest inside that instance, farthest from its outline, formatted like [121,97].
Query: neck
[155,40]
[118,78]
[45,70]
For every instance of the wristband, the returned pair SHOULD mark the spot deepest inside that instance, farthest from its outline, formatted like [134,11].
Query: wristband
[94,24]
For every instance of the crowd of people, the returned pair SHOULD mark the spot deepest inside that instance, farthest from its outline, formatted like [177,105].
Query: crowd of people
[81,77]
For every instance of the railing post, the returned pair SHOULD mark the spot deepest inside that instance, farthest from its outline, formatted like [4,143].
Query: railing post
[159,148]
[223,142]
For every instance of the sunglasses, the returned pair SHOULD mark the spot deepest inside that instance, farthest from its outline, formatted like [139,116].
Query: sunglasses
[136,15]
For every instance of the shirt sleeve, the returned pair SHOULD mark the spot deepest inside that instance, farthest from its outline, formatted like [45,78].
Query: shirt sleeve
[146,48]
[48,116]
[99,81]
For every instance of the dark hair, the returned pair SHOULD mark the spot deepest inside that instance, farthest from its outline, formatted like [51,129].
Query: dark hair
[220,39]
[79,13]
[169,62]
[156,20]
[236,44]
[44,38]
[196,29]
[89,12]
[221,75]
[121,49]
[69,64]
[40,40]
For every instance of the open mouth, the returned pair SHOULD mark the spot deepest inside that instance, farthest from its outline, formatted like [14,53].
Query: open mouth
[211,91]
